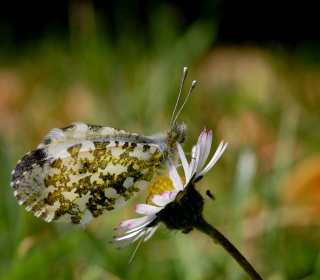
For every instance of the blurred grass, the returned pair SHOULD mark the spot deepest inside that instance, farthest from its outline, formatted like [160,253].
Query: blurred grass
[265,102]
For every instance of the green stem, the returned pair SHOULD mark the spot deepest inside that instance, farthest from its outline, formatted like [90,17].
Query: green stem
[218,237]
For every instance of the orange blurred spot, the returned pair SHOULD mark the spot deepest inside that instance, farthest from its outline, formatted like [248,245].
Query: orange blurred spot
[301,193]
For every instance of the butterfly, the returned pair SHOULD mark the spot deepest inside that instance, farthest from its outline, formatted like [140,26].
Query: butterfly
[82,171]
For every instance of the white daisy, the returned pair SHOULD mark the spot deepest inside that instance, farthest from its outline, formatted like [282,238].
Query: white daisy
[143,228]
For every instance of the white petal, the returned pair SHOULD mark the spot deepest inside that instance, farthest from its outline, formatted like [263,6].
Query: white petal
[203,140]
[130,230]
[133,239]
[173,195]
[205,150]
[118,237]
[147,209]
[193,152]
[150,219]
[175,178]
[201,144]
[136,248]
[150,232]
[126,236]
[183,160]
[167,195]
[216,156]
[133,223]
[196,159]
[162,200]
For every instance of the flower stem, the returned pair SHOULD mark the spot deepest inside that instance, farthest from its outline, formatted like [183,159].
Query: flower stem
[218,237]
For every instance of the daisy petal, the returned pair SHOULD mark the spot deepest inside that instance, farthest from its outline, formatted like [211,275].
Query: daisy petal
[203,139]
[215,158]
[205,151]
[150,232]
[167,195]
[131,240]
[193,152]
[175,178]
[133,223]
[150,219]
[136,249]
[161,200]
[172,195]
[196,159]
[126,236]
[147,209]
[183,160]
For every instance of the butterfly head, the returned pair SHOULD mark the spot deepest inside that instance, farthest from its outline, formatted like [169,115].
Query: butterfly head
[177,133]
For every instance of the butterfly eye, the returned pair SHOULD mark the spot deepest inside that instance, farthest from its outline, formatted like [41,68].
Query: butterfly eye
[176,136]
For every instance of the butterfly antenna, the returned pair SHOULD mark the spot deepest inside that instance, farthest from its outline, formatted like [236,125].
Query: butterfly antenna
[185,71]
[191,89]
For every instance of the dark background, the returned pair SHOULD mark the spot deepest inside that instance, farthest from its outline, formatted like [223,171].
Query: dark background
[239,22]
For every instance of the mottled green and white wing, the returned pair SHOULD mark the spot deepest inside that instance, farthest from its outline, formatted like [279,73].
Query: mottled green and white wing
[81,172]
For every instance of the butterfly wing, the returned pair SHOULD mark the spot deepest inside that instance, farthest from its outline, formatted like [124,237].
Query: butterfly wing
[80,130]
[77,179]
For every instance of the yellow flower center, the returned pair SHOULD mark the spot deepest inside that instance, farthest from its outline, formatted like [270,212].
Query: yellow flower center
[162,184]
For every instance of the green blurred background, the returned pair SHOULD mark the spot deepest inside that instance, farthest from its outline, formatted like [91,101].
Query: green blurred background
[120,64]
